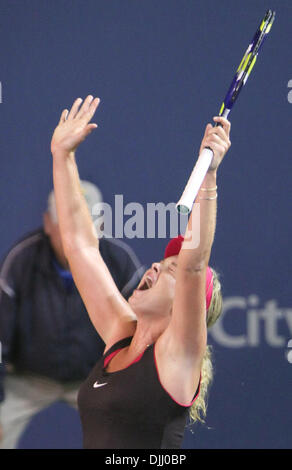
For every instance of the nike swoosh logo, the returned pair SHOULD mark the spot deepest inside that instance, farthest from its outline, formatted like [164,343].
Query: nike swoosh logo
[96,385]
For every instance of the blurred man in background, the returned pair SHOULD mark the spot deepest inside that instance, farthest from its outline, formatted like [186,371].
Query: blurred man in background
[48,343]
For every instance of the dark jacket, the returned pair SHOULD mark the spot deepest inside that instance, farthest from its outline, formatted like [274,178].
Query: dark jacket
[44,326]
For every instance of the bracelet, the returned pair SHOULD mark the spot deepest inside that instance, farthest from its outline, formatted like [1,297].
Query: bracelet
[209,198]
[208,189]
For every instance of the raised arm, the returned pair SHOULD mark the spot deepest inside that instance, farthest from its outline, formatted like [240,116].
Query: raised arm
[188,323]
[106,307]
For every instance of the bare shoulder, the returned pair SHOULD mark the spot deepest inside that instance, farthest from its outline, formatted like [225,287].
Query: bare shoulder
[178,368]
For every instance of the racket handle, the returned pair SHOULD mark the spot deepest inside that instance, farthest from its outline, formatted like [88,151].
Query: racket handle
[189,195]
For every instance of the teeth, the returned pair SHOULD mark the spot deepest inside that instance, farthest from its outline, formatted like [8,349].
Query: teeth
[149,281]
[146,284]
[142,286]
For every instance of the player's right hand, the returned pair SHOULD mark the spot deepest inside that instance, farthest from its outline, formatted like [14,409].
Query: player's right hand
[74,125]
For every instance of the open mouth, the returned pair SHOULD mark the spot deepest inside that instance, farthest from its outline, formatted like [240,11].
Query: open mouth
[145,284]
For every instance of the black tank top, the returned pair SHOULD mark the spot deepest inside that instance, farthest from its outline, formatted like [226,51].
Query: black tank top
[130,409]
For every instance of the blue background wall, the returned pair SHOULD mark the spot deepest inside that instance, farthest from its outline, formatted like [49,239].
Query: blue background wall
[161,69]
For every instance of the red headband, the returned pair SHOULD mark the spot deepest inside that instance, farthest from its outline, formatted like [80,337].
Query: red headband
[173,248]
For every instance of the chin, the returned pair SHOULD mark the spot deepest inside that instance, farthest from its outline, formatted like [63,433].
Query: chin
[130,299]
[138,305]
[134,303]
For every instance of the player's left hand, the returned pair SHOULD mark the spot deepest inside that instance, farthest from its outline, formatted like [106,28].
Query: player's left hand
[217,138]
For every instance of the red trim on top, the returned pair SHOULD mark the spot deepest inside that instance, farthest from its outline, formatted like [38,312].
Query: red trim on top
[137,359]
[178,403]
[110,357]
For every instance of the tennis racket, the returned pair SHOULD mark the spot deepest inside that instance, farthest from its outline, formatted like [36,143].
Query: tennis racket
[191,190]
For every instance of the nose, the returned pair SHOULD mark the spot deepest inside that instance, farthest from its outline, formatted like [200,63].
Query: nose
[156,267]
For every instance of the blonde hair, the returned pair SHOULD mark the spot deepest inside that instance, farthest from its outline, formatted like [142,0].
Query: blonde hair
[199,408]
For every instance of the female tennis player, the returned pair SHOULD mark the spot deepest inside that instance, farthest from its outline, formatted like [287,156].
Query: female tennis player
[156,365]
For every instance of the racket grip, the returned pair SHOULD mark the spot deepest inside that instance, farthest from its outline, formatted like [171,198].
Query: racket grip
[198,174]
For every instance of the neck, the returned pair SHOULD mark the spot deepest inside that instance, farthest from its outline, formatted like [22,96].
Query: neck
[147,332]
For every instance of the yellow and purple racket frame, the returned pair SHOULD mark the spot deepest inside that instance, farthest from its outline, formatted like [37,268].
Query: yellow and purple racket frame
[247,63]
[191,190]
